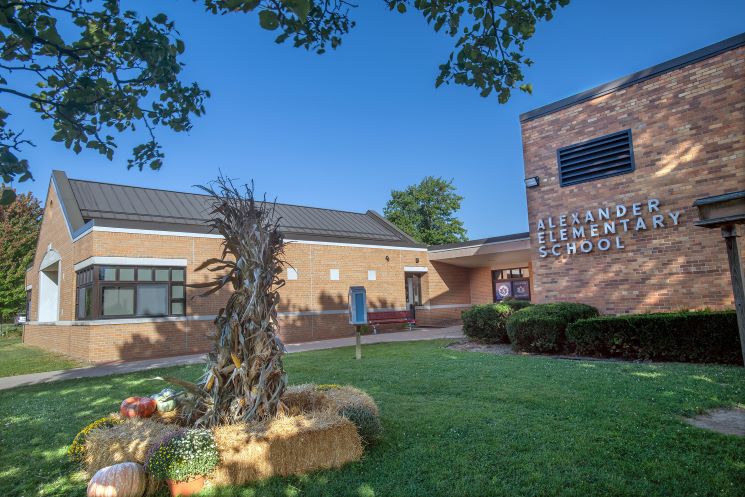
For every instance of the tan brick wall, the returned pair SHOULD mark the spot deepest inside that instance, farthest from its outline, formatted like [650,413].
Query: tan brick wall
[54,233]
[688,128]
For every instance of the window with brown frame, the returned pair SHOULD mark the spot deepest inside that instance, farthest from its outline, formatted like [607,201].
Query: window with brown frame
[108,292]
[513,283]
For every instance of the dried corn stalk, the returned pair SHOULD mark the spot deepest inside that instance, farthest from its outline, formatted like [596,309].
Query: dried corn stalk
[244,377]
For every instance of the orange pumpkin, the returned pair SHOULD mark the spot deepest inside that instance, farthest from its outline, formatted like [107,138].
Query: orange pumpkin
[120,480]
[138,407]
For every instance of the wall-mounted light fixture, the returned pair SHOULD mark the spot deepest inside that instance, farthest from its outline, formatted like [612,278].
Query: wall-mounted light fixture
[531,182]
[387,259]
[417,260]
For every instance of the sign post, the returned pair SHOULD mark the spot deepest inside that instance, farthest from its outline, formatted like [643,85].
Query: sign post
[726,212]
[358,314]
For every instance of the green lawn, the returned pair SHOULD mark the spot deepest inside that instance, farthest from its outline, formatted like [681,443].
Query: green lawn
[456,423]
[17,358]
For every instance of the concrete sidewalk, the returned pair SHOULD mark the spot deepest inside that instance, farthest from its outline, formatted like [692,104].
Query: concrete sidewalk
[165,362]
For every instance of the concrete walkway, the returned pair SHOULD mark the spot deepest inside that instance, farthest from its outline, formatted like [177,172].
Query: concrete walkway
[165,362]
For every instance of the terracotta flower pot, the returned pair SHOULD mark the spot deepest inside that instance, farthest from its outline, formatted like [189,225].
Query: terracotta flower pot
[186,488]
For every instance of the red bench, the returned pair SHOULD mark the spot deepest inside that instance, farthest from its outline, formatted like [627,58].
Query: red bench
[390,317]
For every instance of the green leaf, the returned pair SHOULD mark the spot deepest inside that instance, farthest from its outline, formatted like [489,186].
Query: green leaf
[7,196]
[268,20]
[401,7]
[160,18]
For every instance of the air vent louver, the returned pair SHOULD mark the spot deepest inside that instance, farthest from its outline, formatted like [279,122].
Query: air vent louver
[601,157]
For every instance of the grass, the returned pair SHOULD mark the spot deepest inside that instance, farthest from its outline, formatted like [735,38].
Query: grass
[455,424]
[17,358]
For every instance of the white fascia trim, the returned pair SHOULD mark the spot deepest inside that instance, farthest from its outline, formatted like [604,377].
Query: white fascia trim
[443,306]
[104,322]
[129,261]
[61,203]
[437,251]
[212,235]
[415,269]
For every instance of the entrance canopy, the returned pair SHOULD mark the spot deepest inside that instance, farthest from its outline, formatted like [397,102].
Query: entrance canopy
[493,252]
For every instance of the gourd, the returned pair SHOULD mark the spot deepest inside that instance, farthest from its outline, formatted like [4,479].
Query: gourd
[120,480]
[137,407]
[166,399]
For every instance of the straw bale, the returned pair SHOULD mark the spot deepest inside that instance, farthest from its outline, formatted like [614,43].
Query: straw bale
[124,442]
[347,396]
[284,446]
[305,398]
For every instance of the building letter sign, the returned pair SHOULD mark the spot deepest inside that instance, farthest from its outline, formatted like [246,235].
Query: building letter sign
[599,230]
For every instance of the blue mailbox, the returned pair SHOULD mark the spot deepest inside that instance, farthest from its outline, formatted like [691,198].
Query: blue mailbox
[357,305]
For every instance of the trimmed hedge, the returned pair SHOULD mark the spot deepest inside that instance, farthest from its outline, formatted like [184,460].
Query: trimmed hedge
[488,322]
[704,336]
[542,327]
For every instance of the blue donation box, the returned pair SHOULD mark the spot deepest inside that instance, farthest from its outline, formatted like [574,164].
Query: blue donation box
[357,305]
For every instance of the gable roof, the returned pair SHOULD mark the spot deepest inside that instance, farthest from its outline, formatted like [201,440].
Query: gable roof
[120,206]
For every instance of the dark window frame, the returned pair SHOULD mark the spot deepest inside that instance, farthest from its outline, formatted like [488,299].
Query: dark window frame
[91,277]
[574,146]
[498,276]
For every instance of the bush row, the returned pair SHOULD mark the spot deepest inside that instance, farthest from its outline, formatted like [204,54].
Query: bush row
[704,336]
[488,322]
[542,328]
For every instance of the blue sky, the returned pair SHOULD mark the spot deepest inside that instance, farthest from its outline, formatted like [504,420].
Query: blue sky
[343,129]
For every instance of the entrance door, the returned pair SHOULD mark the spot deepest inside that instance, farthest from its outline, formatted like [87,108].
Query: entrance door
[49,293]
[413,290]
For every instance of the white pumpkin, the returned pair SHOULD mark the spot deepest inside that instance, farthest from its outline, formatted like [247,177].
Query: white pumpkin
[120,480]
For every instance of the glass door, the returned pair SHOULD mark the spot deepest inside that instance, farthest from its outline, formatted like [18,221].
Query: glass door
[413,289]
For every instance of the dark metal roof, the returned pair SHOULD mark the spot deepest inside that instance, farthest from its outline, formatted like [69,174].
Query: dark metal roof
[651,72]
[481,241]
[135,207]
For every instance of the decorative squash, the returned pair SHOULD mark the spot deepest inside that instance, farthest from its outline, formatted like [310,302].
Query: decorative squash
[138,407]
[167,399]
[120,480]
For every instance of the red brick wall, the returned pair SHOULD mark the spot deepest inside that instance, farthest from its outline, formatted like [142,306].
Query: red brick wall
[688,128]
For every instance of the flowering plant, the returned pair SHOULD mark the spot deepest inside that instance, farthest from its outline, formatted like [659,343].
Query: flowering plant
[76,451]
[183,455]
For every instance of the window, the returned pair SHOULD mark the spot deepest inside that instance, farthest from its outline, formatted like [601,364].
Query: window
[118,301]
[291,273]
[119,292]
[514,273]
[84,308]
[372,275]
[602,157]
[511,283]
[334,274]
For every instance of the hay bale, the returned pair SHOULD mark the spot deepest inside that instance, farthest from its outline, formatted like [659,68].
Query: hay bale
[125,442]
[306,398]
[284,446]
[347,396]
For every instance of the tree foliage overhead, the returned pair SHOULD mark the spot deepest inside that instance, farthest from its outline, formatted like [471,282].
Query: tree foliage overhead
[94,69]
[427,211]
[19,225]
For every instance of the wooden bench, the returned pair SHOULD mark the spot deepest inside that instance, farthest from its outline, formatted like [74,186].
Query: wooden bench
[390,317]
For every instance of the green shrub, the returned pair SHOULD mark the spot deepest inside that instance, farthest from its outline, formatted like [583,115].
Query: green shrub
[681,336]
[182,455]
[542,328]
[367,422]
[488,322]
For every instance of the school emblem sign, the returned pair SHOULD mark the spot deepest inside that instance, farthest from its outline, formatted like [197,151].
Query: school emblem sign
[602,229]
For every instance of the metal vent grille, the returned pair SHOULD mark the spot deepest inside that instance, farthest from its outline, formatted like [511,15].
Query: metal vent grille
[601,157]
